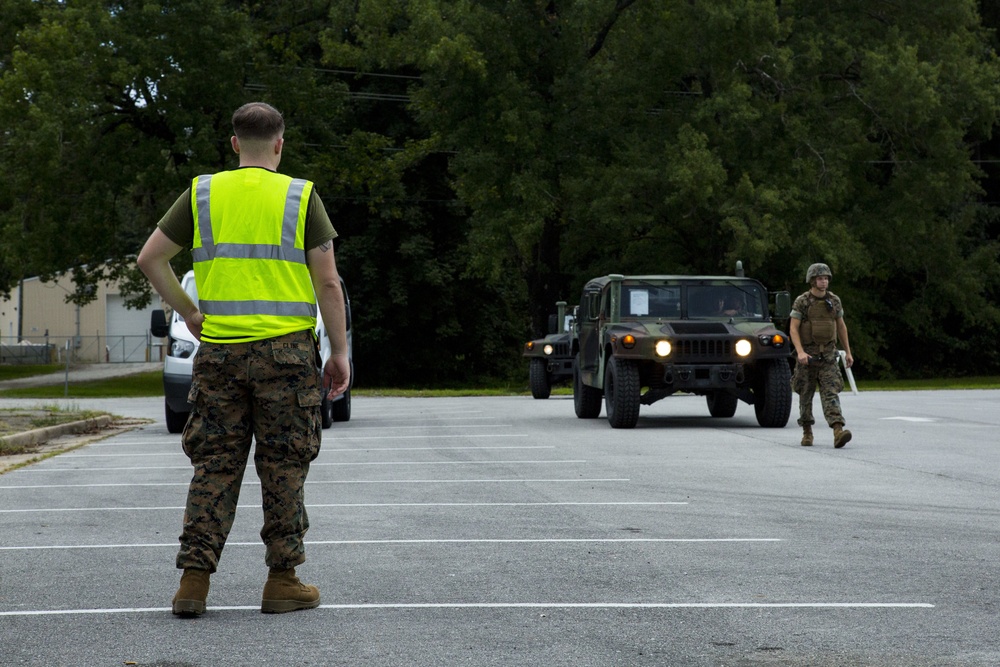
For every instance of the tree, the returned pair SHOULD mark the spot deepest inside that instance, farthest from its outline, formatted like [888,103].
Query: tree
[108,111]
[483,159]
[681,136]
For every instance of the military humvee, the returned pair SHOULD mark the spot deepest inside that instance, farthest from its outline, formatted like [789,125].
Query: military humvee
[639,339]
[550,359]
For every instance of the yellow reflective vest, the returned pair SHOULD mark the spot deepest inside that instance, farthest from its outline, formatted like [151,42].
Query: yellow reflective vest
[249,255]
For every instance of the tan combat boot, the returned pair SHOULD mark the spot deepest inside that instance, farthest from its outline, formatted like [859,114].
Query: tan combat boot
[284,592]
[841,436]
[807,436]
[190,597]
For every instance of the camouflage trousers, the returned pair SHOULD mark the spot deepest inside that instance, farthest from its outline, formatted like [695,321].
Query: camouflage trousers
[267,391]
[824,373]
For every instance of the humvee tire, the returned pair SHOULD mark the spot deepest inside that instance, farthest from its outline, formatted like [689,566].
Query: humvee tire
[621,393]
[722,403]
[538,378]
[586,400]
[773,394]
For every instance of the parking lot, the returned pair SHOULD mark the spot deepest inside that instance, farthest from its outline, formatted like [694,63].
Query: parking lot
[505,531]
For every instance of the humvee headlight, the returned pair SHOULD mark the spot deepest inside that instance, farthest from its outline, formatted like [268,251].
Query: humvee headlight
[530,345]
[547,349]
[663,348]
[628,341]
[743,347]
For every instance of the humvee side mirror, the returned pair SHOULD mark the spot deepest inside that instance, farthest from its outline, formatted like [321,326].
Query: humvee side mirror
[158,324]
[782,305]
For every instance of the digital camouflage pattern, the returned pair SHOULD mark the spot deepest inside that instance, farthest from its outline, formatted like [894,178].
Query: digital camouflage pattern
[824,372]
[269,391]
[816,270]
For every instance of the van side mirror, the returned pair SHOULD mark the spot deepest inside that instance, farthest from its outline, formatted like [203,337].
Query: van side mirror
[158,324]
[782,305]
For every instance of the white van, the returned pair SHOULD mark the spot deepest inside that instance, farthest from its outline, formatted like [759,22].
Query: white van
[181,348]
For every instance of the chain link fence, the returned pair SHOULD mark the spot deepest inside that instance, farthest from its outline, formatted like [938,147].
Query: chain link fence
[80,349]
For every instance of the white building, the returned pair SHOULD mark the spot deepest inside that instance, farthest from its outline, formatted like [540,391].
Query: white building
[104,330]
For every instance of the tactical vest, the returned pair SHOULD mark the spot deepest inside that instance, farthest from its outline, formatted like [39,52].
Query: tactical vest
[818,329]
[249,255]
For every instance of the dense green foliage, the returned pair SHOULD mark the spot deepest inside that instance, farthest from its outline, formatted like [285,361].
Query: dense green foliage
[482,159]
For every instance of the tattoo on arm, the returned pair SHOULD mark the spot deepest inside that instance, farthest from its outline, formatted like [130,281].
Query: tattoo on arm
[326,246]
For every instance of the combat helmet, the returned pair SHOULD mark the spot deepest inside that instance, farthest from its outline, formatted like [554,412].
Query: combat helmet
[816,270]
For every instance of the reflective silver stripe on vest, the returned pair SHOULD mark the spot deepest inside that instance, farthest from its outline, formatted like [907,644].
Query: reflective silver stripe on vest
[289,225]
[290,222]
[205,252]
[280,308]
[254,251]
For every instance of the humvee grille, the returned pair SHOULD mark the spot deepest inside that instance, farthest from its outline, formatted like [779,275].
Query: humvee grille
[714,349]
[560,350]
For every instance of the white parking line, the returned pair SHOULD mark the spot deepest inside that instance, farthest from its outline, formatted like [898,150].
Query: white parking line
[431,435]
[508,605]
[353,505]
[337,481]
[325,450]
[540,540]
[341,464]
[424,426]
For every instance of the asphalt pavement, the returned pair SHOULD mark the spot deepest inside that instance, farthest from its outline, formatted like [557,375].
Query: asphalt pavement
[505,531]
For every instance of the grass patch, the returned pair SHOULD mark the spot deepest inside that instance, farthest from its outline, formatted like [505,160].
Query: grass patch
[983,382]
[138,385]
[17,371]
[150,384]
[439,393]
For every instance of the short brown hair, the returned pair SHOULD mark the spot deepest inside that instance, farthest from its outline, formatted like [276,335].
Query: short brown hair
[258,121]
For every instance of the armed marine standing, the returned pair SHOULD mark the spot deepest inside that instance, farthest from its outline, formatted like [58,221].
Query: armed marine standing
[816,326]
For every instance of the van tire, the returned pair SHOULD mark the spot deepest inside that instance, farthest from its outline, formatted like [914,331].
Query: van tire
[340,411]
[175,420]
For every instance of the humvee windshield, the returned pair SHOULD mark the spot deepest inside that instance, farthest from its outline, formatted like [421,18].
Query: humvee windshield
[651,301]
[699,301]
[745,300]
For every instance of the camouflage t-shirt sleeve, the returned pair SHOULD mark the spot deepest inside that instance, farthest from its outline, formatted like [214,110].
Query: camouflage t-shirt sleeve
[319,228]
[800,306]
[178,222]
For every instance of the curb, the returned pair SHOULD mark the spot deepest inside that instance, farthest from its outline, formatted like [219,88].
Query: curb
[41,435]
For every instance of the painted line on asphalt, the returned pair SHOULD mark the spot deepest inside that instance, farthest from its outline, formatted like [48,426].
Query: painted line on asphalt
[507,605]
[324,450]
[346,436]
[432,435]
[341,464]
[539,540]
[345,481]
[412,426]
[353,505]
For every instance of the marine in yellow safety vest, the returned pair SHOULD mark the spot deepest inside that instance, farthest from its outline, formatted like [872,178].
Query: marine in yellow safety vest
[262,248]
